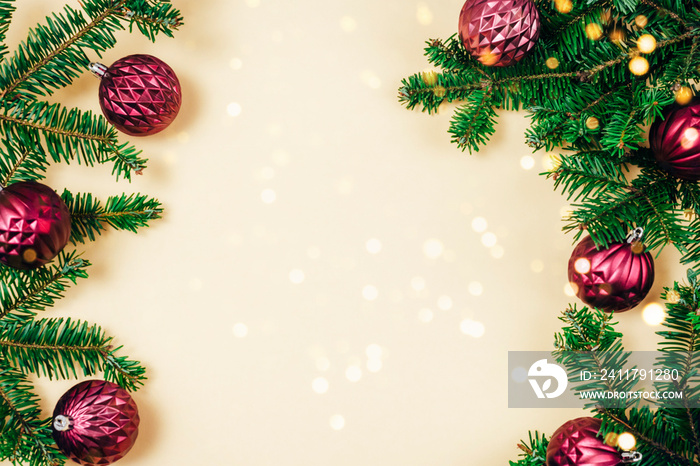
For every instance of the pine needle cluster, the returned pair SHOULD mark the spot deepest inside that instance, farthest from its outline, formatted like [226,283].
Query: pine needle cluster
[36,133]
[588,104]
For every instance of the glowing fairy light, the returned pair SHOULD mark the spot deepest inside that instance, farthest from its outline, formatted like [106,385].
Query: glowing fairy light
[582,265]
[488,58]
[639,66]
[429,77]
[617,35]
[592,123]
[564,6]
[646,43]
[673,297]
[594,31]
[653,314]
[641,21]
[552,63]
[684,95]
[626,441]
[689,138]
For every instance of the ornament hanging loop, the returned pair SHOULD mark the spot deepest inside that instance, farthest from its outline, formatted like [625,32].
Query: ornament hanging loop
[62,423]
[635,235]
[630,457]
[98,69]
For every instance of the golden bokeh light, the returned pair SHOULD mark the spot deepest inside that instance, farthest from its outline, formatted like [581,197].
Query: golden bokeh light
[582,265]
[29,255]
[639,66]
[439,91]
[641,21]
[673,297]
[564,6]
[646,43]
[594,31]
[429,77]
[611,439]
[617,35]
[689,138]
[654,314]
[684,95]
[488,58]
[552,63]
[626,441]
[592,123]
[637,247]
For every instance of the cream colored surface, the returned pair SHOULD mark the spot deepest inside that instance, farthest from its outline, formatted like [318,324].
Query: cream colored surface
[333,283]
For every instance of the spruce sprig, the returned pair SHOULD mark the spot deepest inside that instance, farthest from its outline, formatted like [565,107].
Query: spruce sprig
[35,134]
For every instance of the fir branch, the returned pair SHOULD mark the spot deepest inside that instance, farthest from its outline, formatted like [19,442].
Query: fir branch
[665,12]
[646,438]
[679,347]
[449,55]
[62,40]
[152,17]
[19,163]
[475,121]
[54,53]
[430,89]
[55,347]
[534,452]
[588,174]
[648,202]
[24,293]
[67,135]
[124,212]
[25,437]
[7,8]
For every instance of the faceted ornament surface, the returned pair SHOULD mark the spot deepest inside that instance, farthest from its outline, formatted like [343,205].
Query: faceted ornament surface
[613,279]
[34,225]
[499,32]
[675,140]
[140,95]
[576,443]
[102,422]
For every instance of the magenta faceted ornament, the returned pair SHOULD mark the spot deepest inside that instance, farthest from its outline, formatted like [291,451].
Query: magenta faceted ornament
[675,140]
[34,225]
[576,443]
[613,279]
[139,94]
[499,32]
[95,422]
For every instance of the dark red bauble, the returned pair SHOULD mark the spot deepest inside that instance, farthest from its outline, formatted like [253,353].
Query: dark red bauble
[139,94]
[34,225]
[613,279]
[499,32]
[576,443]
[675,140]
[95,422]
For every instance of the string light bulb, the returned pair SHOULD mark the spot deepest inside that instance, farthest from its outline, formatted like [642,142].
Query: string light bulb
[594,31]
[684,95]
[564,6]
[646,43]
[639,66]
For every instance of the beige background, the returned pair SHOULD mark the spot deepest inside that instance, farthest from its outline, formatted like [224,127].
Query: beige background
[333,283]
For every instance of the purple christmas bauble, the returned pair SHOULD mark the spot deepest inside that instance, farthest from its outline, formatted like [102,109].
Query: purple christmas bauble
[139,94]
[613,279]
[95,422]
[34,225]
[499,32]
[576,443]
[675,140]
